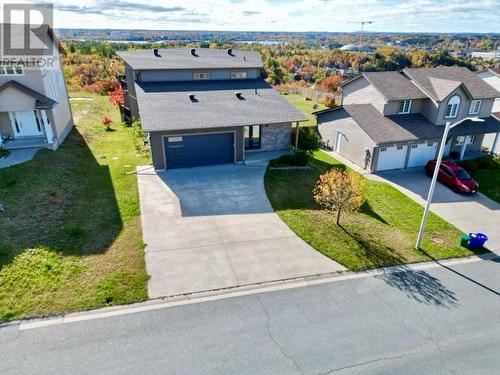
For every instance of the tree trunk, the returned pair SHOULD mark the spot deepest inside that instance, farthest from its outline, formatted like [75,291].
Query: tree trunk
[338,217]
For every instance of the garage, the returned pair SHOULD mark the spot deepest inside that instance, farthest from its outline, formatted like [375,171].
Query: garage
[421,153]
[198,150]
[391,157]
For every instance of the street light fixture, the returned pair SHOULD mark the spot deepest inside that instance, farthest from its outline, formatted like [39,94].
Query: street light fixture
[447,128]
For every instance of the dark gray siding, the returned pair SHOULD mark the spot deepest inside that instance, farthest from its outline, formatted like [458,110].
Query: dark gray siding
[187,75]
[355,141]
[158,149]
[131,98]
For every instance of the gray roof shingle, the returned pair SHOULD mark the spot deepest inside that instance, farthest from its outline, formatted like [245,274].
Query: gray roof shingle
[394,86]
[414,127]
[167,106]
[441,81]
[181,58]
[41,101]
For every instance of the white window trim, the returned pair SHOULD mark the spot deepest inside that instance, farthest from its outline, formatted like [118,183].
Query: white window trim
[406,106]
[454,107]
[470,139]
[201,75]
[473,105]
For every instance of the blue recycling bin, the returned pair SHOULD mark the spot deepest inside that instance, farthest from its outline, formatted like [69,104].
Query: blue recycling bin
[477,240]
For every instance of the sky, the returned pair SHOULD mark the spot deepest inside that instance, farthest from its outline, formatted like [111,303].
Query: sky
[280,15]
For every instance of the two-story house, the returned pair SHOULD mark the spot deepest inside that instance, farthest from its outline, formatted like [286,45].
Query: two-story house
[34,104]
[204,106]
[492,77]
[395,120]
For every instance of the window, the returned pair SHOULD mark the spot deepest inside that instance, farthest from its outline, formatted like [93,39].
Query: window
[11,70]
[460,139]
[382,149]
[404,107]
[452,107]
[414,146]
[475,107]
[430,144]
[238,75]
[252,137]
[201,75]
[399,147]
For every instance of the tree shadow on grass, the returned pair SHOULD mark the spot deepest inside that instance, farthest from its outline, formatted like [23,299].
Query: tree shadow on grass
[416,284]
[367,209]
[63,200]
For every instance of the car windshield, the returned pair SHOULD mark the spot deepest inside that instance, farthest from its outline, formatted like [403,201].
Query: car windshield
[462,174]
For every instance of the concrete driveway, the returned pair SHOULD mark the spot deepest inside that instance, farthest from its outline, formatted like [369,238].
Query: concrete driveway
[213,227]
[468,213]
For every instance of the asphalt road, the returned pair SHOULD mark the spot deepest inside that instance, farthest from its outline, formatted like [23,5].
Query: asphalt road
[431,321]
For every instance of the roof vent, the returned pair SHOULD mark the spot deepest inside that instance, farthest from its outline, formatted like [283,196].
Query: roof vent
[193,52]
[156,52]
[192,97]
[245,58]
[239,95]
[230,51]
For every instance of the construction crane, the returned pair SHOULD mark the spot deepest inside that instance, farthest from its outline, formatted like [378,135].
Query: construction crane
[363,23]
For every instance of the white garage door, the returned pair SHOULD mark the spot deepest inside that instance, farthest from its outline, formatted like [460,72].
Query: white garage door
[421,153]
[391,158]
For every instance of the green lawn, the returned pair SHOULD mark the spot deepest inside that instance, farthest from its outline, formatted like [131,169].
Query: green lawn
[71,236]
[304,106]
[489,182]
[382,233]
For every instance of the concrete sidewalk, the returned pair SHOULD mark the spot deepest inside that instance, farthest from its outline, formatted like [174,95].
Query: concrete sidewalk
[213,227]
[19,156]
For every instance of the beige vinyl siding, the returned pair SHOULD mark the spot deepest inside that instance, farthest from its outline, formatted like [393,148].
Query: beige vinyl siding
[354,142]
[392,107]
[360,91]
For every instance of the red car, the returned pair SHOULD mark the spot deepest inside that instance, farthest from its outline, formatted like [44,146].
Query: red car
[453,176]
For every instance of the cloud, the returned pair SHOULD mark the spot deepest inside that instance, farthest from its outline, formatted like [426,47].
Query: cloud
[250,13]
[108,8]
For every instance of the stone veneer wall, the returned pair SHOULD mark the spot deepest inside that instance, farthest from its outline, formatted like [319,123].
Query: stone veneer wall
[276,137]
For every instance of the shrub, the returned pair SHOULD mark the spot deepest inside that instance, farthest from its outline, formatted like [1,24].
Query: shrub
[328,101]
[339,190]
[107,121]
[296,160]
[309,140]
[469,165]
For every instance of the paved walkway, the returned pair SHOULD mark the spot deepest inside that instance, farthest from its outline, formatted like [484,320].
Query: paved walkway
[18,157]
[213,227]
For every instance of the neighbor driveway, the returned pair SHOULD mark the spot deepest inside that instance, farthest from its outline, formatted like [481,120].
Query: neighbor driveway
[213,227]
[468,213]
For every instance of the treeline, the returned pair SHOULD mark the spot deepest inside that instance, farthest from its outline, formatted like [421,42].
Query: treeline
[92,65]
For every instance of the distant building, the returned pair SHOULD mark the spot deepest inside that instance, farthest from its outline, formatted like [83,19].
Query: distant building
[355,48]
[487,55]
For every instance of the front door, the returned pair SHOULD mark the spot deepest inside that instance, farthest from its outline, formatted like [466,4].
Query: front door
[26,124]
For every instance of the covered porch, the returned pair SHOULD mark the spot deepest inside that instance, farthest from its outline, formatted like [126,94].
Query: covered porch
[24,117]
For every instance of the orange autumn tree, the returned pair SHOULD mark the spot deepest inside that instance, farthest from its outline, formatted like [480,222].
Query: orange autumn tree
[338,190]
[331,83]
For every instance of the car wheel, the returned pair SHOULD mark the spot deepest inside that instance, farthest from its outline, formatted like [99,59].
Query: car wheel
[428,173]
[456,189]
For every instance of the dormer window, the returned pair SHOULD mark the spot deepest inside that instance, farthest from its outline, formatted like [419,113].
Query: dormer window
[475,107]
[201,75]
[404,107]
[452,107]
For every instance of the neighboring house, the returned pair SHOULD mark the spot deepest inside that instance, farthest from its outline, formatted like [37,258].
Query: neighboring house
[205,106]
[492,77]
[34,104]
[394,120]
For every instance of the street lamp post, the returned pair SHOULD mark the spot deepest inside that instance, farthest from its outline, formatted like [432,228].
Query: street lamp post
[447,128]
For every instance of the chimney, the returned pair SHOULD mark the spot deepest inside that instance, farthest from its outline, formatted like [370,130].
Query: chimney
[192,97]
[230,51]
[193,51]
[238,95]
[156,52]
